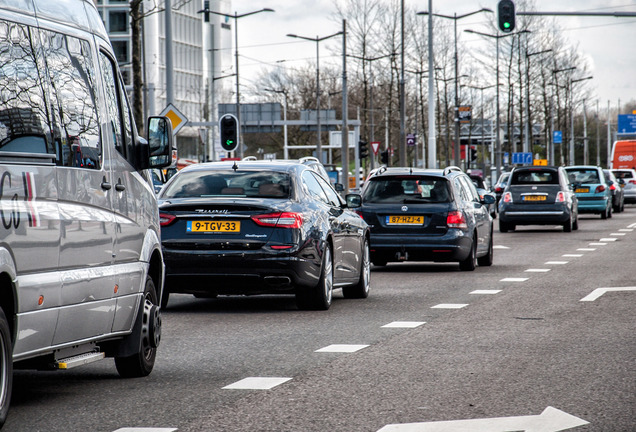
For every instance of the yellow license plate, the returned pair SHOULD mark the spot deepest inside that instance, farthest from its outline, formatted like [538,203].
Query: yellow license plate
[213,226]
[534,198]
[405,220]
[582,190]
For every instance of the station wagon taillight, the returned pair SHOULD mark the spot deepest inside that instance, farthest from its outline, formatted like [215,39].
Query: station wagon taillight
[280,220]
[456,219]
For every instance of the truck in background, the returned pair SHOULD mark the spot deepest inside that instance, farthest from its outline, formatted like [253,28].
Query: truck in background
[624,154]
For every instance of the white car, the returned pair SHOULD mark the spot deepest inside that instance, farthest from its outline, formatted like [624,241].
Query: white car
[628,176]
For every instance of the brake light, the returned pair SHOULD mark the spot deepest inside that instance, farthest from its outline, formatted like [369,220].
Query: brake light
[456,219]
[599,189]
[499,189]
[280,220]
[166,219]
[632,182]
[507,197]
[560,197]
[612,188]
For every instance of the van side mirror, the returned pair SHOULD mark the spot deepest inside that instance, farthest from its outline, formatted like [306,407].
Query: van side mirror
[159,138]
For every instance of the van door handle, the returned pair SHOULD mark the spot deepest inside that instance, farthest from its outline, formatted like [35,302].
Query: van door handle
[105,184]
[119,187]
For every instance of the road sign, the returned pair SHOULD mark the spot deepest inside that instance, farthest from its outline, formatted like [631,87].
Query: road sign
[410,140]
[557,137]
[464,114]
[176,117]
[626,124]
[522,158]
[375,146]
[540,162]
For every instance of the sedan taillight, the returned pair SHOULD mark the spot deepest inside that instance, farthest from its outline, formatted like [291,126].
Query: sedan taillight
[599,189]
[456,219]
[280,220]
[507,197]
[166,219]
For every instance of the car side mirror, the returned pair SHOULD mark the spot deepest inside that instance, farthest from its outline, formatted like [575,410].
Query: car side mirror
[159,141]
[488,199]
[354,200]
[339,187]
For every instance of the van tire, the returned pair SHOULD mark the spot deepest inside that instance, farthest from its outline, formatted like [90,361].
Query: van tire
[142,362]
[6,367]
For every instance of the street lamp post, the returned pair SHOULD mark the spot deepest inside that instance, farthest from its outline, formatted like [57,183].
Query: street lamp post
[497,126]
[571,152]
[236,16]
[456,148]
[528,132]
[317,39]
[455,17]
[483,152]
[554,73]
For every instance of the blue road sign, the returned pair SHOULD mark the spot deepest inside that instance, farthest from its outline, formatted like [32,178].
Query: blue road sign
[558,137]
[522,158]
[627,123]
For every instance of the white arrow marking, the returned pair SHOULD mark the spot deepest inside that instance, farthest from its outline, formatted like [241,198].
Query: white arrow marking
[550,420]
[600,291]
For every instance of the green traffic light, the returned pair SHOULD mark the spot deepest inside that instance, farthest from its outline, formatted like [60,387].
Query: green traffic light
[507,25]
[229,142]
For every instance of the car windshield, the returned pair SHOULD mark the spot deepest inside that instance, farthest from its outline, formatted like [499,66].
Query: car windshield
[202,184]
[582,175]
[534,177]
[387,189]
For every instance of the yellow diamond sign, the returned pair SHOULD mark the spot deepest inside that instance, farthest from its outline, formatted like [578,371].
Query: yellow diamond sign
[176,117]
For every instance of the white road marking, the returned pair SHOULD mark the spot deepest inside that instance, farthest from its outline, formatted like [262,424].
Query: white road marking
[449,306]
[626,230]
[485,292]
[514,279]
[600,291]
[572,255]
[618,234]
[404,324]
[586,249]
[500,247]
[632,225]
[608,239]
[342,348]
[537,270]
[257,383]
[550,420]
[146,429]
[598,244]
[556,262]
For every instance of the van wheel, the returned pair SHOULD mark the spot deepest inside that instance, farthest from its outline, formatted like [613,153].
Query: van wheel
[361,289]
[141,363]
[320,296]
[6,367]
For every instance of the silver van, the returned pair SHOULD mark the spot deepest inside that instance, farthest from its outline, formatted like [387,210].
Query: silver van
[81,269]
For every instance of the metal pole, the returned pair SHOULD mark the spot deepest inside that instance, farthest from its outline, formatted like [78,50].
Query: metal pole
[571,149]
[169,63]
[345,126]
[585,145]
[432,145]
[598,136]
[402,146]
[285,144]
[497,125]
[238,101]
[609,137]
[458,144]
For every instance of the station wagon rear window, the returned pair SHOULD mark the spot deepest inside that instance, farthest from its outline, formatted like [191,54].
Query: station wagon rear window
[583,175]
[401,189]
[251,184]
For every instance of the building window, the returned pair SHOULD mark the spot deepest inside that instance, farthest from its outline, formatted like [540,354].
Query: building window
[118,21]
[120,47]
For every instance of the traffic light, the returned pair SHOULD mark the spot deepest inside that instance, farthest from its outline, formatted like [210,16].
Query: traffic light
[384,157]
[473,154]
[363,149]
[228,127]
[506,14]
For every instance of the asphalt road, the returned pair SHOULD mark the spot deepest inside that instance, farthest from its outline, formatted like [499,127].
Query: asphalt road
[430,344]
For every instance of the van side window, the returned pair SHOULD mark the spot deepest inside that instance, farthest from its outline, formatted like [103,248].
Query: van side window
[25,122]
[72,81]
[119,121]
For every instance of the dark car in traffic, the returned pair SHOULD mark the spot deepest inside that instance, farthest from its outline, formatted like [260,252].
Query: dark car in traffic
[483,189]
[616,187]
[427,215]
[538,195]
[243,228]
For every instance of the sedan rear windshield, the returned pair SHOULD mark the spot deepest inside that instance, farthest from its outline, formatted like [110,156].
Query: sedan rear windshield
[534,177]
[398,189]
[582,175]
[623,174]
[253,184]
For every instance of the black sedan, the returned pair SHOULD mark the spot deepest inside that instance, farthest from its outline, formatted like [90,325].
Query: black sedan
[538,195]
[242,228]
[427,215]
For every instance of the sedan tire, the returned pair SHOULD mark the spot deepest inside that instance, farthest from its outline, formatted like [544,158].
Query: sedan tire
[361,289]
[320,296]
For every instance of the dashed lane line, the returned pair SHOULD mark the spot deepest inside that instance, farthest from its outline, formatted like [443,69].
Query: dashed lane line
[342,348]
[257,383]
[513,279]
[537,270]
[404,324]
[485,292]
[449,306]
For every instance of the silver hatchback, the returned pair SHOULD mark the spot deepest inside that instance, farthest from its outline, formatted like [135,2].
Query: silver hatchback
[628,176]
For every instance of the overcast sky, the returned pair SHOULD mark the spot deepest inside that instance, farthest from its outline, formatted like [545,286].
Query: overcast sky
[609,43]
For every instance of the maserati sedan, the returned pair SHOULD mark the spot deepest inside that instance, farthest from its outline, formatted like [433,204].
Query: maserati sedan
[254,227]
